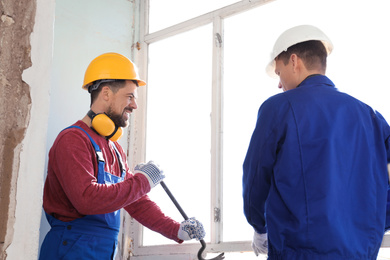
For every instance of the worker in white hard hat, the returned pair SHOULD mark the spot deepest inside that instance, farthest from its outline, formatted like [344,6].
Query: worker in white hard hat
[315,178]
[89,180]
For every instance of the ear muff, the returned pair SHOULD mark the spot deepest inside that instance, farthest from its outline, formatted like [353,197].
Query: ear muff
[105,126]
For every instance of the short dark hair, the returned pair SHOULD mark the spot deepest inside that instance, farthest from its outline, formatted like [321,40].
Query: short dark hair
[313,54]
[114,85]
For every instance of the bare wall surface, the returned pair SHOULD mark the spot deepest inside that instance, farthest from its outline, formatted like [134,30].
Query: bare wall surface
[82,31]
[16,24]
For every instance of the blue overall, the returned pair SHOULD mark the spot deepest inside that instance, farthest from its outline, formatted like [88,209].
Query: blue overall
[89,237]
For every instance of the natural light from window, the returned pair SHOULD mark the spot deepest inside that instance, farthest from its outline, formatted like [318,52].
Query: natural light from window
[165,13]
[180,82]
[179,94]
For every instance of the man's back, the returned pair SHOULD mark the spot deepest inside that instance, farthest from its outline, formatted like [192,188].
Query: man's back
[328,173]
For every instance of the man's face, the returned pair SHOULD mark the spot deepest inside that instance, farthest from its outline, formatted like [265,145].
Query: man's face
[122,104]
[287,79]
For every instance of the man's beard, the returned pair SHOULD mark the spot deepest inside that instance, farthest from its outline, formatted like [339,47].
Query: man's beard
[119,119]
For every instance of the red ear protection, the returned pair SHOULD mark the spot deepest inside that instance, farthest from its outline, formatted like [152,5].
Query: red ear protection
[105,126]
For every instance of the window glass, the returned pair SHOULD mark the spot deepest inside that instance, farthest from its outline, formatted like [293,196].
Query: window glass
[179,91]
[165,13]
[246,86]
[178,124]
[354,66]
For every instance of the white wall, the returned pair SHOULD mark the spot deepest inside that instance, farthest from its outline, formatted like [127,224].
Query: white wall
[67,35]
[82,31]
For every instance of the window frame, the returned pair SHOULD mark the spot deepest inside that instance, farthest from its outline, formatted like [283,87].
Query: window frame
[130,241]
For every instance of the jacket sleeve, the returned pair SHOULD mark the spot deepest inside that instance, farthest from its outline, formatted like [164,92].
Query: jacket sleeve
[258,166]
[74,171]
[386,134]
[150,215]
[387,225]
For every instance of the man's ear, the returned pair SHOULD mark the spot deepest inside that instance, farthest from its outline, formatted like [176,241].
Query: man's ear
[294,59]
[106,92]
[295,62]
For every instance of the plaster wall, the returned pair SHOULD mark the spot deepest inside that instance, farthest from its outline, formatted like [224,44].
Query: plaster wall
[28,187]
[82,31]
[46,46]
[16,24]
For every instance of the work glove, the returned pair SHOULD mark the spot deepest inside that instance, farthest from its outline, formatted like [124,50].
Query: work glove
[152,172]
[260,243]
[190,229]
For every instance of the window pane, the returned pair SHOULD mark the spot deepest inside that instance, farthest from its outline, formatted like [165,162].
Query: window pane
[178,124]
[169,12]
[249,38]
[242,98]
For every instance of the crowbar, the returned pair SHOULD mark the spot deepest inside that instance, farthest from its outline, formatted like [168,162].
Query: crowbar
[218,257]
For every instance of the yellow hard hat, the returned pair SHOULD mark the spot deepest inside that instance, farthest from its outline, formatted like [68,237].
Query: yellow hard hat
[111,66]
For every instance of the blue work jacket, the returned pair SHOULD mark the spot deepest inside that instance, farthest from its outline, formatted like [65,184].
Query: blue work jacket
[315,175]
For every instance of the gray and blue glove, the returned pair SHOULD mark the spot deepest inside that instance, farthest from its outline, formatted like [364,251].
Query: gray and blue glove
[190,229]
[152,172]
[260,243]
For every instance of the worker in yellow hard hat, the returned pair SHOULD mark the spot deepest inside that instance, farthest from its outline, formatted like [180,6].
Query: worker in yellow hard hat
[89,180]
[315,179]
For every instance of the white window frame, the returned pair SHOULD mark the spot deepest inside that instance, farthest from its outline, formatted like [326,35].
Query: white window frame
[130,241]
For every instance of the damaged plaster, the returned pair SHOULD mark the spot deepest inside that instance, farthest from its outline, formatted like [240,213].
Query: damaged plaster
[16,25]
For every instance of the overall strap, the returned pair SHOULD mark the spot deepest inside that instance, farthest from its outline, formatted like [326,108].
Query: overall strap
[121,164]
[98,152]
[102,177]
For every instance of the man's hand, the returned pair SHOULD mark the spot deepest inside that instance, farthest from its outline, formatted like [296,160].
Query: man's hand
[152,172]
[260,243]
[190,229]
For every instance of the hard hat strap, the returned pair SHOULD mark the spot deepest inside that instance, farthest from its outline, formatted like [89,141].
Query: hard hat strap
[97,84]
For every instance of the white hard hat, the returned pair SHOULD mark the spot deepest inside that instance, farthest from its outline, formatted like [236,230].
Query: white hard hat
[292,36]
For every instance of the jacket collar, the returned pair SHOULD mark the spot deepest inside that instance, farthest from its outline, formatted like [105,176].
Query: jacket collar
[316,79]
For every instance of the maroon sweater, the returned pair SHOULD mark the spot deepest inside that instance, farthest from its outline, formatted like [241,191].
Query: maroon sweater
[71,190]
